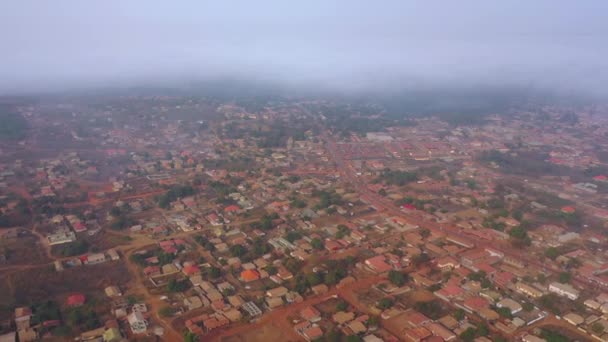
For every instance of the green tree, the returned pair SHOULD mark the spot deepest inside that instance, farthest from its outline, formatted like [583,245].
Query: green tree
[597,328]
[190,337]
[459,314]
[564,277]
[552,253]
[385,303]
[317,244]
[504,312]
[396,278]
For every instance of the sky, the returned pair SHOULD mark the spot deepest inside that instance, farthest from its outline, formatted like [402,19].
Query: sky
[350,44]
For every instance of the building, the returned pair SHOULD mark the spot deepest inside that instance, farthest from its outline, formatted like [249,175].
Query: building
[137,322]
[311,314]
[378,264]
[96,258]
[564,290]
[509,303]
[528,290]
[61,236]
[75,300]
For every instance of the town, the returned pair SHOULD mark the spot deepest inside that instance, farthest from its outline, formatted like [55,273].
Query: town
[197,218]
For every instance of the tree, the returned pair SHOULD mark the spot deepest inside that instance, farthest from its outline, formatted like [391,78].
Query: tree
[317,244]
[293,236]
[527,306]
[459,314]
[504,312]
[214,272]
[425,233]
[468,335]
[354,338]
[597,328]
[237,251]
[190,337]
[482,330]
[314,279]
[373,321]
[552,253]
[396,278]
[564,277]
[341,306]
[385,303]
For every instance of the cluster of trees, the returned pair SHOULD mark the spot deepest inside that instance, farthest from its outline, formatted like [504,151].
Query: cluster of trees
[399,178]
[418,203]
[523,163]
[265,222]
[519,236]
[482,278]
[553,336]
[45,311]
[432,309]
[163,258]
[336,271]
[178,285]
[121,217]
[327,199]
[73,248]
[84,317]
[471,333]
[176,192]
[293,235]
[203,241]
[14,126]
[385,303]
[397,278]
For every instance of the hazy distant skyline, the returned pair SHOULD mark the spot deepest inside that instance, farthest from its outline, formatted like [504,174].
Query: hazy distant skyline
[344,44]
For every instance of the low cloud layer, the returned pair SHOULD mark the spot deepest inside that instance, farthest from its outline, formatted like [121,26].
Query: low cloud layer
[338,44]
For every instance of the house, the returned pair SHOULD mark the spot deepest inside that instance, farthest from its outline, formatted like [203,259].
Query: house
[249,275]
[417,334]
[355,327]
[342,317]
[378,264]
[96,258]
[27,335]
[9,337]
[112,335]
[319,289]
[474,304]
[61,236]
[564,290]
[528,290]
[113,254]
[277,292]
[193,302]
[137,322]
[22,317]
[310,314]
[312,333]
[76,300]
[449,292]
[574,319]
[510,304]
[441,331]
[113,291]
[252,309]
[274,302]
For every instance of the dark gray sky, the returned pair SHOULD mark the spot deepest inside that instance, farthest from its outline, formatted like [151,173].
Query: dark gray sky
[350,43]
